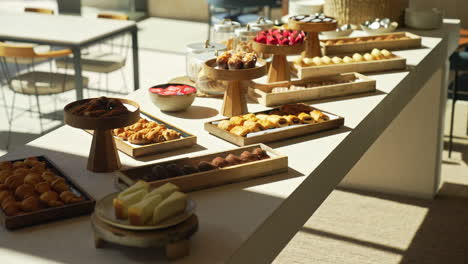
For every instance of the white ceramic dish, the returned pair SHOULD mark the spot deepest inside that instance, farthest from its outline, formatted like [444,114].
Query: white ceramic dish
[392,27]
[301,7]
[338,34]
[105,211]
[424,19]
[171,103]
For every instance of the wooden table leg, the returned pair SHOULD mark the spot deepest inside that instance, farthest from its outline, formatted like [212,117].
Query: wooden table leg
[234,100]
[178,249]
[312,45]
[103,156]
[136,70]
[279,69]
[98,242]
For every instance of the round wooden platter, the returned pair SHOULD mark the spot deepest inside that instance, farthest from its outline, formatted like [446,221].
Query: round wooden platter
[174,239]
[234,102]
[103,156]
[278,49]
[312,30]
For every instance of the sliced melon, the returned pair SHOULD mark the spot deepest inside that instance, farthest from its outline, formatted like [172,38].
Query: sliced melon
[139,185]
[172,205]
[121,205]
[141,212]
[164,190]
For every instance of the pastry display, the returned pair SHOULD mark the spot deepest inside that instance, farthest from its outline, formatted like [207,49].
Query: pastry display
[375,54]
[313,18]
[29,186]
[287,115]
[276,36]
[236,60]
[142,206]
[146,132]
[100,107]
[332,42]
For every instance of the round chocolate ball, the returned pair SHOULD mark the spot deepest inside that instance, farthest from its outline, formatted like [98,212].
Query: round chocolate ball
[158,173]
[173,170]
[219,162]
[233,159]
[189,169]
[205,166]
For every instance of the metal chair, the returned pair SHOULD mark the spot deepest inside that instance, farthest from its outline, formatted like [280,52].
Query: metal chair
[29,81]
[105,61]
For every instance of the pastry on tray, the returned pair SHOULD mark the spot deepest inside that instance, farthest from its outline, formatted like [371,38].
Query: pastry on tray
[143,207]
[374,55]
[333,42]
[146,132]
[101,107]
[286,115]
[29,186]
[236,60]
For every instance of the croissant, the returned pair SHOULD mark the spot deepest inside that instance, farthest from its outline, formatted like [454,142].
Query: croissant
[30,204]
[138,139]
[261,116]
[4,195]
[252,126]
[38,167]
[42,187]
[21,172]
[236,121]
[60,186]
[33,178]
[49,196]
[6,165]
[318,116]
[240,131]
[249,117]
[14,181]
[125,135]
[31,161]
[306,118]
[266,124]
[135,127]
[19,164]
[24,191]
[11,208]
[118,131]
[170,134]
[292,120]
[225,125]
[278,121]
[48,176]
[5,174]
[69,197]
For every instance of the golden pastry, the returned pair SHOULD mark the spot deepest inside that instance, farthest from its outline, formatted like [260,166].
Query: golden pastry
[337,60]
[368,57]
[33,178]
[4,187]
[5,174]
[266,124]
[31,204]
[236,120]
[24,191]
[387,54]
[326,60]
[240,131]
[124,135]
[249,117]
[348,59]
[49,196]
[357,57]
[154,125]
[60,186]
[118,131]
[19,164]
[135,127]
[292,120]
[31,161]
[11,208]
[5,165]
[139,139]
[48,176]
[294,109]
[21,172]
[14,181]
[4,195]
[38,167]
[376,54]
[318,116]
[306,118]
[43,187]
[225,125]
[278,121]
[170,134]
[252,126]
[261,116]
[69,197]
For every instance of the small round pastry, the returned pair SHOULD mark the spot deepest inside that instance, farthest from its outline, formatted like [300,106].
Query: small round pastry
[68,197]
[31,204]
[376,54]
[246,156]
[173,170]
[49,196]
[31,161]
[205,166]
[368,57]
[159,172]
[59,185]
[219,162]
[5,174]
[24,191]
[339,42]
[6,165]
[38,167]
[307,61]
[7,200]
[326,60]
[386,53]
[317,61]
[337,60]
[21,171]
[233,159]
[260,153]
[14,181]
[357,57]
[348,59]
[11,208]
[42,187]
[5,194]
[33,178]
[19,164]
[48,176]
[189,169]
[4,187]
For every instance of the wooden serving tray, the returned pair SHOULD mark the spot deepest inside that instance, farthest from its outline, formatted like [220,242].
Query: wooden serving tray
[54,213]
[396,63]
[133,150]
[394,44]
[275,164]
[263,95]
[276,133]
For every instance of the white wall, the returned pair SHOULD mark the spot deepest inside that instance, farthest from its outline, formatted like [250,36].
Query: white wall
[452,8]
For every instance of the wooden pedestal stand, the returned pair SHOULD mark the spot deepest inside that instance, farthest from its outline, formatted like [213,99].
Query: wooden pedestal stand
[103,156]
[234,97]
[279,69]
[174,239]
[312,30]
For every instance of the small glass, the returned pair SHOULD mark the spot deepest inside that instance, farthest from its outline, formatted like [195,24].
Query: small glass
[243,38]
[196,53]
[224,32]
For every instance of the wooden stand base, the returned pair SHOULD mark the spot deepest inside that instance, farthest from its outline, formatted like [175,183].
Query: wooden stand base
[234,100]
[103,156]
[175,240]
[312,46]
[279,69]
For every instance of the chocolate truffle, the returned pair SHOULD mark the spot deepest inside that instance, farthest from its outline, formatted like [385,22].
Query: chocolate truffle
[189,169]
[261,154]
[205,166]
[158,173]
[247,156]
[233,159]
[219,162]
[173,170]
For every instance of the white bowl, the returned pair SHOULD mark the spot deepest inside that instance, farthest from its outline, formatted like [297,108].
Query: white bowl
[301,7]
[338,34]
[424,19]
[381,30]
[171,103]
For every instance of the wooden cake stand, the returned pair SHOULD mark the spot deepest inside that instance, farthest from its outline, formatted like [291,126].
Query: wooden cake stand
[103,156]
[234,97]
[174,239]
[279,69]
[312,30]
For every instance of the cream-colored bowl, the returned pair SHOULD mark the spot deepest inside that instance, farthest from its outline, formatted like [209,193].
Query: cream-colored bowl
[172,103]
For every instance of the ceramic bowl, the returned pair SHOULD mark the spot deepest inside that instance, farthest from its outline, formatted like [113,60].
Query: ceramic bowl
[391,28]
[423,19]
[172,103]
[339,34]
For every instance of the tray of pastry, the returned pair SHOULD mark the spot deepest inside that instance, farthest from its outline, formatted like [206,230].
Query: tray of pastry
[151,135]
[287,92]
[284,122]
[209,170]
[34,191]
[390,41]
[372,61]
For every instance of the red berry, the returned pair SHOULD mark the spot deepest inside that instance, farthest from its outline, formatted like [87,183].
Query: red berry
[156,90]
[169,93]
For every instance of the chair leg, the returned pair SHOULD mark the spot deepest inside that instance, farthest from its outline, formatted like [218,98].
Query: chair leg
[124,79]
[40,114]
[454,100]
[10,121]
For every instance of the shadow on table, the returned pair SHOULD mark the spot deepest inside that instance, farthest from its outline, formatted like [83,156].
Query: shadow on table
[176,152]
[195,112]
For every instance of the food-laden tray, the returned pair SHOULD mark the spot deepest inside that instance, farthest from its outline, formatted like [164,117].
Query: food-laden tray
[184,140]
[390,41]
[310,89]
[254,129]
[35,191]
[361,65]
[219,174]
